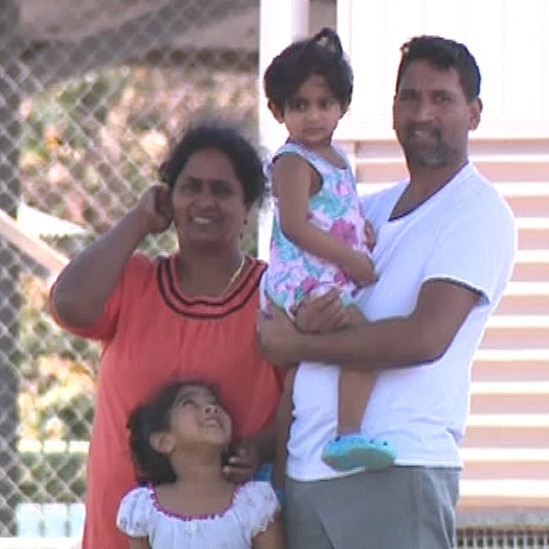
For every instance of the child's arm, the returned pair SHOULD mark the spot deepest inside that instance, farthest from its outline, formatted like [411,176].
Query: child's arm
[294,180]
[272,538]
[138,543]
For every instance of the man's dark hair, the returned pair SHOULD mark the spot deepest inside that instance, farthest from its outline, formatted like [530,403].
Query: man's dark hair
[443,54]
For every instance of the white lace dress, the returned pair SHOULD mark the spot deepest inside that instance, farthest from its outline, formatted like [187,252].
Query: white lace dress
[253,507]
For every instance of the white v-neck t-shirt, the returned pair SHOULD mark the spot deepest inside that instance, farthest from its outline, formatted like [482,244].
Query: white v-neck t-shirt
[465,233]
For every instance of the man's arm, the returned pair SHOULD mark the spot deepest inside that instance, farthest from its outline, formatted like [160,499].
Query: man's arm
[423,336]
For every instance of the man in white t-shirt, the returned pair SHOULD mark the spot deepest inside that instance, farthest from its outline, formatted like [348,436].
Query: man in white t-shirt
[444,253]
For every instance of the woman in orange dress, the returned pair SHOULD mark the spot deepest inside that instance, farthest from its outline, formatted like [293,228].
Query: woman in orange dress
[188,315]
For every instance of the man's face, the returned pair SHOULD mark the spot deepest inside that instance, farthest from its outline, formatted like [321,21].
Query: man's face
[431,116]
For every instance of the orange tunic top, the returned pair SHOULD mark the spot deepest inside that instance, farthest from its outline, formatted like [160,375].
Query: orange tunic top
[153,333]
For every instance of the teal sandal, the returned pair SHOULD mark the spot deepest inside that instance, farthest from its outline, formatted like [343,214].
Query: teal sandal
[355,451]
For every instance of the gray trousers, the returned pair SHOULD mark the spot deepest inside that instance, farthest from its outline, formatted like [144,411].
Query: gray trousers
[396,508]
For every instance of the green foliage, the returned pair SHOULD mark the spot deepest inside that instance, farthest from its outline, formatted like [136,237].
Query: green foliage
[53,476]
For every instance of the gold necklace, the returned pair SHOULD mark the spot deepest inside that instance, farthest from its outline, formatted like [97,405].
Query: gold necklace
[234,276]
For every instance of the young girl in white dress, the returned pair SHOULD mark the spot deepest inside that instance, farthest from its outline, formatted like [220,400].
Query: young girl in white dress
[178,441]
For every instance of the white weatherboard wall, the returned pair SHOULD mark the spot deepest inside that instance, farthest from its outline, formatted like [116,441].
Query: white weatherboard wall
[509,39]
[280,22]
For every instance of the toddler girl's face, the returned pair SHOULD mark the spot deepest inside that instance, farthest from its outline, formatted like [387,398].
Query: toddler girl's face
[197,417]
[312,114]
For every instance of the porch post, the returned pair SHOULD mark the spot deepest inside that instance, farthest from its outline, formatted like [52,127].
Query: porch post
[280,22]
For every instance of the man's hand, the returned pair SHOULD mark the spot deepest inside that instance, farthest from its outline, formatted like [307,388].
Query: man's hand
[279,336]
[321,314]
[276,334]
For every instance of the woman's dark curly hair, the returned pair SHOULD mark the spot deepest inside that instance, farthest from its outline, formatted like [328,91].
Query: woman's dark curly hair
[242,154]
[153,417]
[321,55]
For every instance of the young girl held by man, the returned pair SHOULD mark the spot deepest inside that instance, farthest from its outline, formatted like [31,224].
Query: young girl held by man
[320,239]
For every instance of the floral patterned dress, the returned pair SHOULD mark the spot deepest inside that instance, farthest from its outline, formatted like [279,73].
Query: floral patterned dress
[336,209]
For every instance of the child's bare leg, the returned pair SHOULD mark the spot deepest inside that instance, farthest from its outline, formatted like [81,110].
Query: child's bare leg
[284,417]
[351,449]
[355,389]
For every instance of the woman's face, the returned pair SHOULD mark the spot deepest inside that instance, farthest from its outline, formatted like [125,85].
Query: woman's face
[208,201]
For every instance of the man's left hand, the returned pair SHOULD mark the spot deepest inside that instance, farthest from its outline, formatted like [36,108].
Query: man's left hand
[276,334]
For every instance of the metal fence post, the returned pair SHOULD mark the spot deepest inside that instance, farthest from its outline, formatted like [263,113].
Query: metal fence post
[10,130]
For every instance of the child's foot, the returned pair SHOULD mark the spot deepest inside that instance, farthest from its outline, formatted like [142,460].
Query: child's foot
[353,450]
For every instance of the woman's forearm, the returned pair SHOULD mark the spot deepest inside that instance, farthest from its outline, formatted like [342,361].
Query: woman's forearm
[88,280]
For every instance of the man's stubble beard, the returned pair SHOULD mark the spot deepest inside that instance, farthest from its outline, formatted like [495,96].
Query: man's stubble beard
[438,156]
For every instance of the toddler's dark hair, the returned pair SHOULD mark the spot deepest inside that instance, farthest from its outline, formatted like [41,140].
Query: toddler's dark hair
[321,55]
[153,417]
[245,159]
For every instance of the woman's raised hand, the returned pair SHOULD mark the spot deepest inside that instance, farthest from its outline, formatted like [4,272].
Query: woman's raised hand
[156,206]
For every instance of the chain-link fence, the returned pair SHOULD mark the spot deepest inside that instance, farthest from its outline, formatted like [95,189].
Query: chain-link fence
[91,94]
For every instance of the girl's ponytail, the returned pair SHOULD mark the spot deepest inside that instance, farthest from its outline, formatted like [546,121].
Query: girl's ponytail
[328,39]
